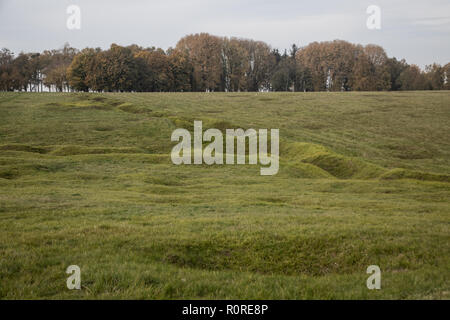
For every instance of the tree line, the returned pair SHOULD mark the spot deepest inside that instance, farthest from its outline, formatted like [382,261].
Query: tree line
[203,62]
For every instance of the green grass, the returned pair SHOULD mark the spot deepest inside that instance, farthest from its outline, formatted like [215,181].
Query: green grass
[86,179]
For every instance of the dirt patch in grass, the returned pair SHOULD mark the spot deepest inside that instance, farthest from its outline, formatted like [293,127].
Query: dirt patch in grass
[9,174]
[24,148]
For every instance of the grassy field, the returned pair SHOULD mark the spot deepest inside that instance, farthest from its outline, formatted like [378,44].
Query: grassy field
[87,179]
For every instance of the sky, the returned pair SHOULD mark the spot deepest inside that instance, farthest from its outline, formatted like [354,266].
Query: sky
[416,30]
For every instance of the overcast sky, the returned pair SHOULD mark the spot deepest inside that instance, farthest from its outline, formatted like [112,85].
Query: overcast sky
[417,30]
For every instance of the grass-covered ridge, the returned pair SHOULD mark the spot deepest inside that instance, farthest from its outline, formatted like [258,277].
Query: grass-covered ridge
[87,179]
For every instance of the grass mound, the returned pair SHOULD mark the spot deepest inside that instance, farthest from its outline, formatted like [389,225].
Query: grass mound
[75,150]
[83,102]
[23,148]
[304,170]
[131,108]
[417,175]
[333,164]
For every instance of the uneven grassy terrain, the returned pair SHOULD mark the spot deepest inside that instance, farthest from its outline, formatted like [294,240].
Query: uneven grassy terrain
[87,179]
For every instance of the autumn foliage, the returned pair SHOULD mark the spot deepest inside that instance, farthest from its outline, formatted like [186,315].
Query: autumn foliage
[203,62]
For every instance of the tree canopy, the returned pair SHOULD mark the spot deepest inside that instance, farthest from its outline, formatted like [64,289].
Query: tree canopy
[204,62]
